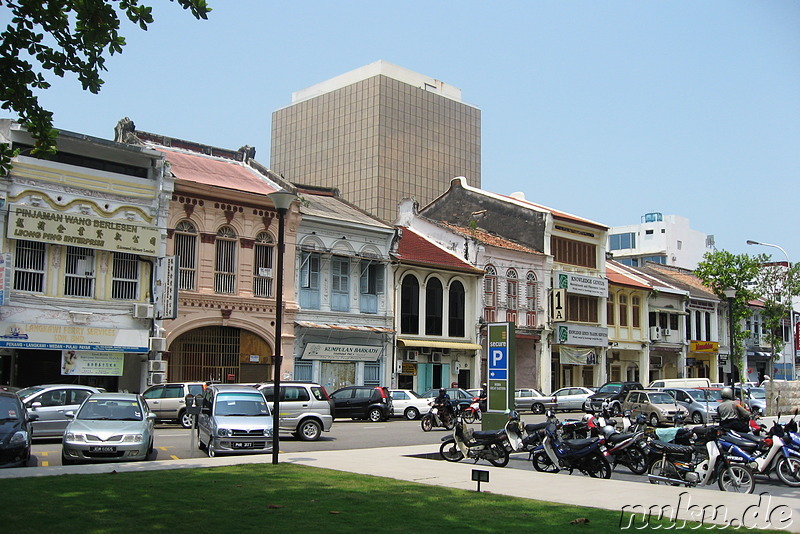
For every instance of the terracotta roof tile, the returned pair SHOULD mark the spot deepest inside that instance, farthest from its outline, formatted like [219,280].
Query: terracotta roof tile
[414,248]
[489,239]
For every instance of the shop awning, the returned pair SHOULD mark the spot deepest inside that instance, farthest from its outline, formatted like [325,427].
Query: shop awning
[668,310]
[756,355]
[405,342]
[352,328]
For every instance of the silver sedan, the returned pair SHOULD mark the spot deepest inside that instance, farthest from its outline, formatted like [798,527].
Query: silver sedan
[109,427]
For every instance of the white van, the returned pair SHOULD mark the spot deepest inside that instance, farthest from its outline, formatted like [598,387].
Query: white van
[681,383]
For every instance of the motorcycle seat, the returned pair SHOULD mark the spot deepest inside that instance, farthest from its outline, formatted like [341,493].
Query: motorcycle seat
[670,448]
[579,443]
[745,444]
[533,427]
[618,438]
[487,434]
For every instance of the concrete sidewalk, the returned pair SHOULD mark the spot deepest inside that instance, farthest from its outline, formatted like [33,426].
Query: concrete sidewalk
[409,464]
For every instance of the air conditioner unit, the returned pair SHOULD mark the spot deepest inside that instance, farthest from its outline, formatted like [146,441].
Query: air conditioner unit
[158,344]
[412,355]
[159,366]
[156,378]
[426,350]
[655,333]
[436,357]
[656,361]
[143,311]
[666,332]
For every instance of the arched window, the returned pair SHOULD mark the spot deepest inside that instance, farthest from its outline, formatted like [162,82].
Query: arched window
[433,307]
[262,265]
[409,305]
[186,250]
[225,261]
[512,295]
[531,292]
[490,294]
[455,320]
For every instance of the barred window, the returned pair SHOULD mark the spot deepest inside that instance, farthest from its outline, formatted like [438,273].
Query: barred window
[29,266]
[125,277]
[225,261]
[262,265]
[490,294]
[186,250]
[79,279]
[512,295]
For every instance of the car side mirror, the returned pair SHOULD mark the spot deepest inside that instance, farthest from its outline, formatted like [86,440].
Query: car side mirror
[35,405]
[69,414]
[151,416]
[33,416]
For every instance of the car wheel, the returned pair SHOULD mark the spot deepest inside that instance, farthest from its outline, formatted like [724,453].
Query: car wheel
[185,419]
[211,452]
[150,448]
[697,418]
[309,430]
[653,420]
[411,413]
[537,407]
[200,444]
[375,415]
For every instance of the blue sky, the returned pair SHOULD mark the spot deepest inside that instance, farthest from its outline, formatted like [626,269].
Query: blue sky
[604,109]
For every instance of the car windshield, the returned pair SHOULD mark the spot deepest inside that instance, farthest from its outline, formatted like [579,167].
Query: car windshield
[241,404]
[9,409]
[27,392]
[713,394]
[699,395]
[757,393]
[661,398]
[110,410]
[610,388]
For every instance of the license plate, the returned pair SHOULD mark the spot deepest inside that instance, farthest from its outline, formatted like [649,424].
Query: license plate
[103,449]
[243,445]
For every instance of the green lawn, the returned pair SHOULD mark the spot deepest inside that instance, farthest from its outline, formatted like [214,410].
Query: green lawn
[273,498]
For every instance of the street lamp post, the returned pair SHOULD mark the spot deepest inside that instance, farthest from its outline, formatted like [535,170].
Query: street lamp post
[791,307]
[282,201]
[730,294]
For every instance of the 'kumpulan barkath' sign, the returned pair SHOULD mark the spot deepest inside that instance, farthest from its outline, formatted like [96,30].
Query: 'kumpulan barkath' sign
[338,351]
[34,224]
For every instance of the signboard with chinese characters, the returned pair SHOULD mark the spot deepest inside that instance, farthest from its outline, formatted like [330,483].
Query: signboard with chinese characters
[117,235]
[582,335]
[166,292]
[581,284]
[91,363]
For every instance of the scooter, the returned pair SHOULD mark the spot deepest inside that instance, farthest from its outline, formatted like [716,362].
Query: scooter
[556,454]
[490,445]
[628,449]
[435,419]
[472,412]
[777,452]
[685,465]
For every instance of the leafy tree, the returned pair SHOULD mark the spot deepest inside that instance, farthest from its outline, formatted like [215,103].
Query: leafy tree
[721,270]
[61,36]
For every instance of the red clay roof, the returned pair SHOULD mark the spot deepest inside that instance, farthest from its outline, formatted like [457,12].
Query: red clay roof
[414,248]
[617,275]
[489,239]
[216,172]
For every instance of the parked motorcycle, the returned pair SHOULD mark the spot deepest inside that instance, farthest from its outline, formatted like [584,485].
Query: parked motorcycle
[628,449]
[777,452]
[435,418]
[686,465]
[490,445]
[556,454]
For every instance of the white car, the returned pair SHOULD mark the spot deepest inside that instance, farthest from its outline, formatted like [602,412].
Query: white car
[571,398]
[409,404]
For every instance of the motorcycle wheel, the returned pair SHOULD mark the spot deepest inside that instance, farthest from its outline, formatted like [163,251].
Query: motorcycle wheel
[635,460]
[659,469]
[450,451]
[736,478]
[596,466]
[788,470]
[450,423]
[542,463]
[497,449]
[469,417]
[427,423]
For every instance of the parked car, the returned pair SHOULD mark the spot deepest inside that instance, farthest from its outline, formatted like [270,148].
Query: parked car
[533,400]
[699,403]
[168,401]
[754,397]
[373,403]
[234,419]
[109,427]
[51,403]
[10,389]
[571,398]
[460,396]
[15,431]
[658,406]
[409,404]
[613,393]
[306,409]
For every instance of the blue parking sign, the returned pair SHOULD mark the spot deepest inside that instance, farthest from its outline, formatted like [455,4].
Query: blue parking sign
[498,358]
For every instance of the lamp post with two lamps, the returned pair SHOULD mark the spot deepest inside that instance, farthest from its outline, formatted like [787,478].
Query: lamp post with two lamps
[282,201]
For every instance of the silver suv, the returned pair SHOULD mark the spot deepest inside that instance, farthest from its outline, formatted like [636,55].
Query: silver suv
[168,401]
[306,409]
